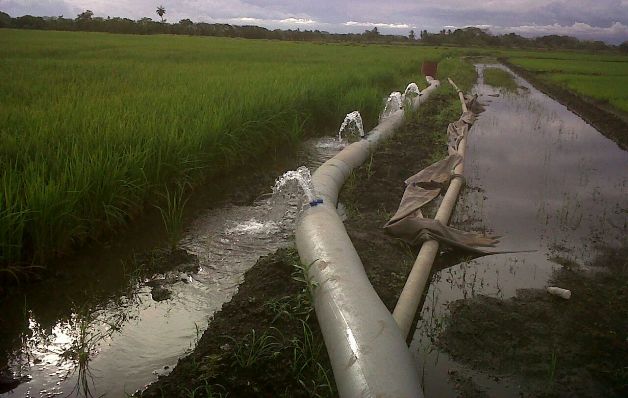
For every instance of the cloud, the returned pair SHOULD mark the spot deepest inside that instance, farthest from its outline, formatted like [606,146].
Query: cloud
[299,21]
[615,33]
[275,23]
[598,17]
[38,8]
[379,25]
[246,20]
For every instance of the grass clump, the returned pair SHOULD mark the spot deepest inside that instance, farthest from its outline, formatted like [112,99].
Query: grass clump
[172,214]
[255,348]
[497,77]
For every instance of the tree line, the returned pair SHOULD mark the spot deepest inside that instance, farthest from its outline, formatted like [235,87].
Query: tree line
[467,37]
[473,36]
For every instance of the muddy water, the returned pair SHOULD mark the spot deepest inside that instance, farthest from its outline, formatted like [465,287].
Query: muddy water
[102,307]
[546,181]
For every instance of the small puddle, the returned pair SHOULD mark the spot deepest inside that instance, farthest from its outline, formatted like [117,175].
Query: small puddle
[104,311]
[545,180]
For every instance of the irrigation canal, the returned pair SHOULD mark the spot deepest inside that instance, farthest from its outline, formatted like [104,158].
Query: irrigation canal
[537,174]
[545,180]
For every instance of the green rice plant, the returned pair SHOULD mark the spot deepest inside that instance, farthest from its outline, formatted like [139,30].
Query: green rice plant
[551,369]
[12,221]
[304,350]
[302,274]
[297,306]
[459,70]
[306,356]
[254,348]
[409,113]
[598,77]
[81,352]
[172,214]
[91,131]
[369,168]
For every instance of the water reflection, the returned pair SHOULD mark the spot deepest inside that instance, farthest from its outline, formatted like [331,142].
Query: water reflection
[546,181]
[119,340]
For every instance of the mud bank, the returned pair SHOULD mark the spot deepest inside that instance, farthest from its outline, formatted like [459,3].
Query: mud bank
[264,342]
[601,116]
[555,347]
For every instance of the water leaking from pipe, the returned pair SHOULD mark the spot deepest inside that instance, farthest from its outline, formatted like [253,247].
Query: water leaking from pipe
[368,353]
[394,102]
[351,124]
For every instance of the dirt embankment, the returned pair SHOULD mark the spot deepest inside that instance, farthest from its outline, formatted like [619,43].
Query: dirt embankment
[601,116]
[265,342]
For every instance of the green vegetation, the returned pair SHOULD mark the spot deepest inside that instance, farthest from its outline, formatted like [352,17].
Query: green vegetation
[444,104]
[497,77]
[172,215]
[602,78]
[460,71]
[94,126]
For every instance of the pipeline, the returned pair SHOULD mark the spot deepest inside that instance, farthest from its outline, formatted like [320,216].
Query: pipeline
[367,350]
[410,297]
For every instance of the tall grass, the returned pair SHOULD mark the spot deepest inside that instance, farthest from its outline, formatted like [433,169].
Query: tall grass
[93,126]
[172,214]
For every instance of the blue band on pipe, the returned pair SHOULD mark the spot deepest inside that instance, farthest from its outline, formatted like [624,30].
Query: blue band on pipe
[316,202]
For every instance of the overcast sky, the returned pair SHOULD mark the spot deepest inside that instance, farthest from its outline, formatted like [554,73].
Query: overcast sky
[587,19]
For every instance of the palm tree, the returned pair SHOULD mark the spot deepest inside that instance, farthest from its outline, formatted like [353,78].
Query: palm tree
[161,11]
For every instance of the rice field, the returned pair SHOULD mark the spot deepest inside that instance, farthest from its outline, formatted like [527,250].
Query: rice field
[603,77]
[94,127]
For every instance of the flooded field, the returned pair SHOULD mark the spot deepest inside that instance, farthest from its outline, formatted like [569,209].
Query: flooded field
[552,187]
[106,326]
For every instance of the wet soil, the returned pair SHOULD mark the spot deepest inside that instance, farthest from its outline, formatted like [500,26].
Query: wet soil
[559,348]
[604,119]
[264,342]
[373,193]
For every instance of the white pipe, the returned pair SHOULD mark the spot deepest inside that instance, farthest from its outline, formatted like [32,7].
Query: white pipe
[559,291]
[410,297]
[368,353]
